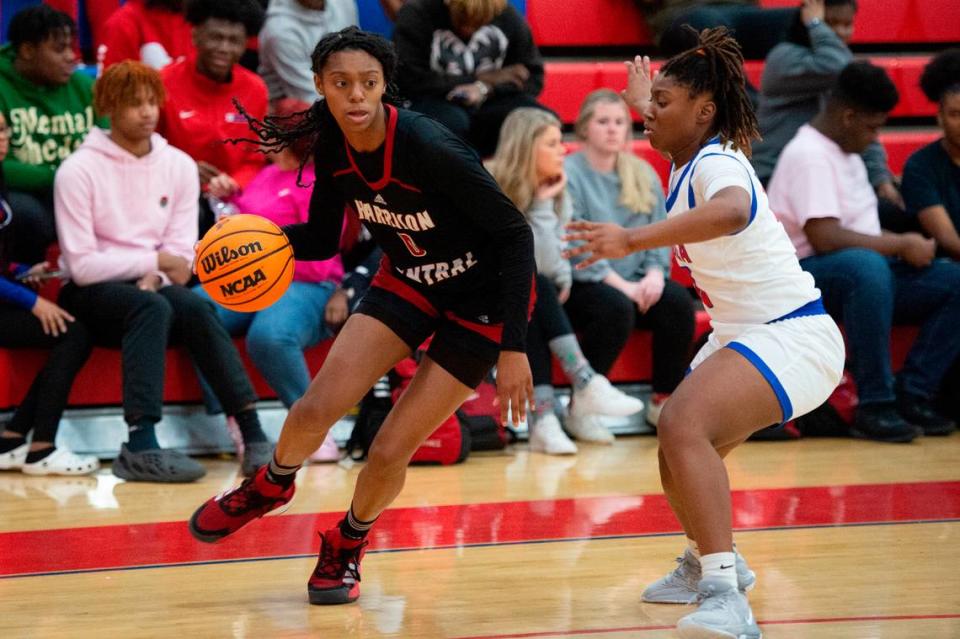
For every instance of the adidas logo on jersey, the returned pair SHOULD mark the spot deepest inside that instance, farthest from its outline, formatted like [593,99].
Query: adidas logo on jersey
[379,200]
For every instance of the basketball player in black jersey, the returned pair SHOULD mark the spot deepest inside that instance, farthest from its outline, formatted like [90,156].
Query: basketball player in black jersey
[458,266]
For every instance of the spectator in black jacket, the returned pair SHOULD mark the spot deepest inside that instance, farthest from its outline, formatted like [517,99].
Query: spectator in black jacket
[468,64]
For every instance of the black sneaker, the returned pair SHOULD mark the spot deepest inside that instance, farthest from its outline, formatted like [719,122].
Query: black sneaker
[882,423]
[921,412]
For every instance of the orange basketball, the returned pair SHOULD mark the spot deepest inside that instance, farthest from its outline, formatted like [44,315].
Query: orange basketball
[245,262]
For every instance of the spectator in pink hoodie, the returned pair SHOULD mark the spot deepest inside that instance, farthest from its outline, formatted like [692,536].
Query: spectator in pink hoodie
[313,307]
[126,210]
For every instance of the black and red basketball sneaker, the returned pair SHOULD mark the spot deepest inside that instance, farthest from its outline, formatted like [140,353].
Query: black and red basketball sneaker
[336,579]
[228,512]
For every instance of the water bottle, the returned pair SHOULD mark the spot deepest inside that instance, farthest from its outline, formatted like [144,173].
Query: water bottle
[220,208]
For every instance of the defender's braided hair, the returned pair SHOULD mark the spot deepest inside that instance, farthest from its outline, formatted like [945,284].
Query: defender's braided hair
[715,66]
[277,132]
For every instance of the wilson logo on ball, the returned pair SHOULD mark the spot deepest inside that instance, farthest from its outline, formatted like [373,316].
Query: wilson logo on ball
[225,255]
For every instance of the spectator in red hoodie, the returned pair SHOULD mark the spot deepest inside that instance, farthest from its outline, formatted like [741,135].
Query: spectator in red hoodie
[200,113]
[154,32]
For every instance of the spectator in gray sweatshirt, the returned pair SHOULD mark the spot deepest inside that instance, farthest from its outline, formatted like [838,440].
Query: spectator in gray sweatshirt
[608,183]
[528,165]
[291,31]
[796,77]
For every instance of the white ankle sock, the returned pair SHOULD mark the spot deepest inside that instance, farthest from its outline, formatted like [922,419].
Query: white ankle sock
[720,565]
[693,548]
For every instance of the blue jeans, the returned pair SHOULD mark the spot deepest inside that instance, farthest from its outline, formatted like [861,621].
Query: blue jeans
[869,293]
[277,336]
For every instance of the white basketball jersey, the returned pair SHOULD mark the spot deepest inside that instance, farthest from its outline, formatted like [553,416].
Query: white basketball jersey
[749,277]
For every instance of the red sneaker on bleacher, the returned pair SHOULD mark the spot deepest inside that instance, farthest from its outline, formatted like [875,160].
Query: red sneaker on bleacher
[336,578]
[228,512]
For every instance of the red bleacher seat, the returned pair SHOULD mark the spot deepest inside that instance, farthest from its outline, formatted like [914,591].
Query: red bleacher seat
[901,144]
[602,23]
[586,23]
[567,83]
[99,383]
[635,363]
[900,21]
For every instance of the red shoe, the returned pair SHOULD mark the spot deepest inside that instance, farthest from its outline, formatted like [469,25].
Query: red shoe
[336,579]
[230,511]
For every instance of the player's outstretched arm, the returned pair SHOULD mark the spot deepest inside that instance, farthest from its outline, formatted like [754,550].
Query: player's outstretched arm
[726,212]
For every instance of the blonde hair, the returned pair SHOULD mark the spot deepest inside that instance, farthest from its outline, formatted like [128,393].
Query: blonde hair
[636,178]
[475,12]
[513,165]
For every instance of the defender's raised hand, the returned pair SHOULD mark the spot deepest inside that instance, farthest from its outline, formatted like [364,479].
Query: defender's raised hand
[639,81]
[599,241]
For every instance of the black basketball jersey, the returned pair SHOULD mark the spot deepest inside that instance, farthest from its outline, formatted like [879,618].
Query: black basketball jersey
[444,225]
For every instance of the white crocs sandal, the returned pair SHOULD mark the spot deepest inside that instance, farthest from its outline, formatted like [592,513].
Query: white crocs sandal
[14,459]
[63,462]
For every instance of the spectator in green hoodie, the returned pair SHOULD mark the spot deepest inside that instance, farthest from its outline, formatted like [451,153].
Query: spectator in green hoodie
[48,105]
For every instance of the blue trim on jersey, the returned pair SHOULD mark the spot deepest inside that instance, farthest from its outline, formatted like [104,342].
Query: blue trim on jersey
[691,200]
[786,407]
[675,191]
[810,308]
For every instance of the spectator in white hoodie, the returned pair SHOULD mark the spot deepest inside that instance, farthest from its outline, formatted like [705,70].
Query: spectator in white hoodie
[126,211]
[287,39]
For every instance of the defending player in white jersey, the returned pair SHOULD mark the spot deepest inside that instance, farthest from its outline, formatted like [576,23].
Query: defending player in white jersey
[774,353]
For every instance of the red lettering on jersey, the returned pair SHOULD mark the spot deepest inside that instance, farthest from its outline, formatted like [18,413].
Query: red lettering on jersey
[682,257]
[703,295]
[415,250]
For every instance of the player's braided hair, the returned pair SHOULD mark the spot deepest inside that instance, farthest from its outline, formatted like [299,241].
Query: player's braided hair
[715,66]
[277,132]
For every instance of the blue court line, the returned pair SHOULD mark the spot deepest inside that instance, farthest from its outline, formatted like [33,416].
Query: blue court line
[214,562]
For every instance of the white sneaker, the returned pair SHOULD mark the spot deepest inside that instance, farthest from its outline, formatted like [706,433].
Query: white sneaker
[328,451]
[63,462]
[588,428]
[723,613]
[546,436]
[14,459]
[654,408]
[601,398]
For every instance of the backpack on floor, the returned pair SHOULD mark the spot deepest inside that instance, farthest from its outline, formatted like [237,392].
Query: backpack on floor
[373,410]
[449,443]
[481,416]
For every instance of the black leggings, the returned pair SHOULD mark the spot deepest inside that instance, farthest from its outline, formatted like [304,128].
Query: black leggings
[44,403]
[604,317]
[33,228]
[549,320]
[141,323]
